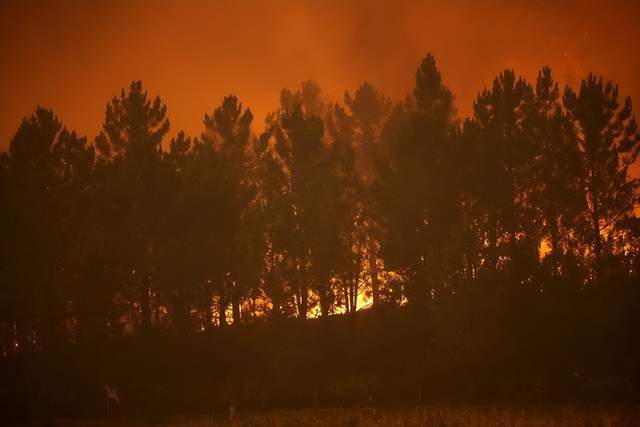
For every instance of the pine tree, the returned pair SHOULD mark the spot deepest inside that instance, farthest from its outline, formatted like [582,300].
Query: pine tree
[609,141]
[228,129]
[368,110]
[556,190]
[418,197]
[132,134]
[502,159]
[33,233]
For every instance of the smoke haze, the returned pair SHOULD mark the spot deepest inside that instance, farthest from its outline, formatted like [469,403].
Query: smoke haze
[73,56]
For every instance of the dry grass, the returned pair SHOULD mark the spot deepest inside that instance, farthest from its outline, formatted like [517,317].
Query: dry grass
[439,416]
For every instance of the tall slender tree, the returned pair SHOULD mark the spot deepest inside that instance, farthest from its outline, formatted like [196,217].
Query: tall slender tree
[556,186]
[33,259]
[417,190]
[610,141]
[368,110]
[133,130]
[502,157]
[228,129]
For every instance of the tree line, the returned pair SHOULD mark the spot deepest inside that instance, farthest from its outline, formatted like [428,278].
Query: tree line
[333,207]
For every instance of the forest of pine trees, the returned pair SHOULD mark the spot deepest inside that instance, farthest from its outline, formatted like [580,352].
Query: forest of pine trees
[520,218]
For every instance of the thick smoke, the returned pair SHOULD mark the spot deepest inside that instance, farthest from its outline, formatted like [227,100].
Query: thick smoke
[74,56]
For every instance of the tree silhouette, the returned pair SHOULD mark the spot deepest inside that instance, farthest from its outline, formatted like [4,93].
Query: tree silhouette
[228,129]
[418,214]
[368,110]
[46,174]
[609,140]
[502,252]
[503,155]
[353,228]
[133,130]
[556,189]
[300,147]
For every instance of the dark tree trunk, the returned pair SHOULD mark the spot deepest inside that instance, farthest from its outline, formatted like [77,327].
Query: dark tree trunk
[373,268]
[553,231]
[207,309]
[235,307]
[492,258]
[354,296]
[222,312]
[597,247]
[156,305]
[145,308]
[325,306]
[303,302]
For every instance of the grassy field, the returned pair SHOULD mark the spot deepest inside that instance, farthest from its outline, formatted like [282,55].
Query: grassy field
[439,416]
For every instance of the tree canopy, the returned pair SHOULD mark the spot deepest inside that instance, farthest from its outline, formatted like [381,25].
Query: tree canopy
[332,208]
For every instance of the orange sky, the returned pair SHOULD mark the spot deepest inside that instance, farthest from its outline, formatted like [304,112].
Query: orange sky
[73,56]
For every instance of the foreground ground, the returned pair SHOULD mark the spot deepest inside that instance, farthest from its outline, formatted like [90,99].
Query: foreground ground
[440,416]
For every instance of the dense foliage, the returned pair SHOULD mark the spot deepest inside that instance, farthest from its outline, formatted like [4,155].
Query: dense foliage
[509,239]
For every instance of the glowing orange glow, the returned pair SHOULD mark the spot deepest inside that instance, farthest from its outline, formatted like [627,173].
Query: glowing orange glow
[73,57]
